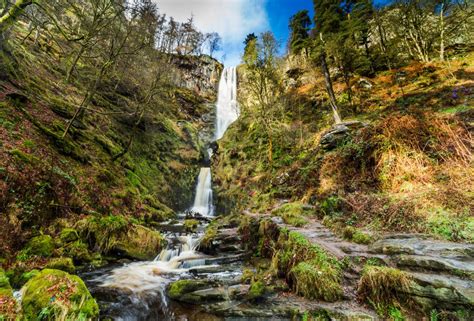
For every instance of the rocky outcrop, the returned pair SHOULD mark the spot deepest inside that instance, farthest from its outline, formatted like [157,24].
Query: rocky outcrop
[200,74]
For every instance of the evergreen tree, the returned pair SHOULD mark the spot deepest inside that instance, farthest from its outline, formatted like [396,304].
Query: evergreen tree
[251,50]
[300,25]
[328,18]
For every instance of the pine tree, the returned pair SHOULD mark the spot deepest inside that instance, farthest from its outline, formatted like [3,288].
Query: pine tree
[300,25]
[328,18]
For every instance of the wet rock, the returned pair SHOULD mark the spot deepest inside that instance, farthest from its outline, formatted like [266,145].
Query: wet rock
[181,290]
[446,292]
[451,266]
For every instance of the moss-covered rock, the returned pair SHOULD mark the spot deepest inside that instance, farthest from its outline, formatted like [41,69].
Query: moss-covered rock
[178,290]
[78,251]
[55,294]
[62,263]
[139,243]
[68,235]
[42,245]
[257,291]
[191,225]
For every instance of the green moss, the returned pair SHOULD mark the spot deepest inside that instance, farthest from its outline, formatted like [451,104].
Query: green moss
[353,234]
[316,279]
[68,235]
[54,293]
[383,288]
[139,242]
[178,289]
[294,213]
[191,225]
[25,277]
[23,157]
[62,263]
[78,251]
[209,236]
[42,245]
[5,288]
[257,291]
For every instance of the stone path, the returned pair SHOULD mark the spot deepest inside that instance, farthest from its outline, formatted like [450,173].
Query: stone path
[443,271]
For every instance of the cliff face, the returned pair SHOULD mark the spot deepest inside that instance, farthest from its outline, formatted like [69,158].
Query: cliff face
[110,162]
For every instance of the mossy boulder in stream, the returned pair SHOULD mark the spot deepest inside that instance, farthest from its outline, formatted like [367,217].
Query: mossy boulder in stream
[116,235]
[54,294]
[139,243]
[182,290]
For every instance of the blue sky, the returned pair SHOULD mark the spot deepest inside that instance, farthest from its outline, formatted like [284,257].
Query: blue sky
[279,13]
[234,19]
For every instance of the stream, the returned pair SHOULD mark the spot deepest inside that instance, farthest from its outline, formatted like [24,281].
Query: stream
[136,291]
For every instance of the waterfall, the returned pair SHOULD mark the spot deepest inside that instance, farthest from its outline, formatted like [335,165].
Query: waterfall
[142,280]
[203,199]
[227,107]
[227,111]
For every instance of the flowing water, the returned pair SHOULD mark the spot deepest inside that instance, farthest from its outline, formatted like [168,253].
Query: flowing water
[136,291]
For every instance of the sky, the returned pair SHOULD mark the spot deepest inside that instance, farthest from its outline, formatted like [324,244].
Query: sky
[234,19]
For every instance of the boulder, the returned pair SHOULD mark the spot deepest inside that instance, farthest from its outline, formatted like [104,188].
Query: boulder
[332,138]
[62,263]
[139,242]
[56,294]
[42,245]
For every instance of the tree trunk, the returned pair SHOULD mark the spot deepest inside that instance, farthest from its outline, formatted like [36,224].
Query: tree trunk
[13,13]
[327,79]
[441,36]
[74,63]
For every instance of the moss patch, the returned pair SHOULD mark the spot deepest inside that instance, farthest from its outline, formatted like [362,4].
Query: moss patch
[63,263]
[42,245]
[54,293]
[294,213]
[383,288]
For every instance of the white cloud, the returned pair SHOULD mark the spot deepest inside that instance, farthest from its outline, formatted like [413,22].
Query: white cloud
[232,19]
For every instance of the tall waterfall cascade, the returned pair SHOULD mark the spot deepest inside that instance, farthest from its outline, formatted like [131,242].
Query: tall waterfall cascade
[227,112]
[149,279]
[227,107]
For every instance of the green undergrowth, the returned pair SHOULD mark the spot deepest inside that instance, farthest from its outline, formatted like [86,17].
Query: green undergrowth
[384,289]
[295,213]
[308,269]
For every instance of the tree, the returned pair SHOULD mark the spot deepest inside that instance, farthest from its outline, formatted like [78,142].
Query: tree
[264,83]
[250,50]
[10,12]
[300,25]
[328,18]
[214,42]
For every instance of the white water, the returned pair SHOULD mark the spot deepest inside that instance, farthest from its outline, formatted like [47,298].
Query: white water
[227,107]
[145,279]
[203,199]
